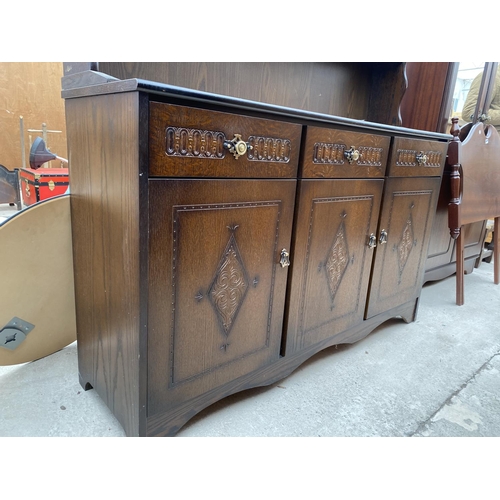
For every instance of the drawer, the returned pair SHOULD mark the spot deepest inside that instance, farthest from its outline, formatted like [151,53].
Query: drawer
[191,142]
[331,153]
[417,158]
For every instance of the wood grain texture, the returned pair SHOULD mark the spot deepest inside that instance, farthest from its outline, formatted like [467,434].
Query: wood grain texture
[403,161]
[480,160]
[341,89]
[459,290]
[496,250]
[453,164]
[325,154]
[331,260]
[189,142]
[475,187]
[103,142]
[426,104]
[31,90]
[388,86]
[169,422]
[441,258]
[407,215]
[182,297]
[217,291]
[474,236]
[441,244]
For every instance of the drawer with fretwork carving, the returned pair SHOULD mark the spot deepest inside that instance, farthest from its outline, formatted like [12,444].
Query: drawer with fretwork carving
[343,154]
[192,142]
[416,158]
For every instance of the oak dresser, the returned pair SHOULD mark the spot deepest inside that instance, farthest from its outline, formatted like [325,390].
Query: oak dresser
[220,242]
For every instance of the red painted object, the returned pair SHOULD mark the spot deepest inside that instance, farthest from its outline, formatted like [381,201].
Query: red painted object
[43,183]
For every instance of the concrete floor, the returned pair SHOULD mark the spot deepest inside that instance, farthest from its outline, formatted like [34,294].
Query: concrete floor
[7,211]
[438,376]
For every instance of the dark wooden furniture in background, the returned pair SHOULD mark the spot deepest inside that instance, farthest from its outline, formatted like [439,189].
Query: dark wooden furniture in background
[9,186]
[426,105]
[442,258]
[427,101]
[475,189]
[220,242]
[446,257]
[364,91]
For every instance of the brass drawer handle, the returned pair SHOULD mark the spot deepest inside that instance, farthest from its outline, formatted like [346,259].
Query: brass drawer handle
[352,154]
[237,146]
[421,158]
[383,237]
[372,241]
[284,258]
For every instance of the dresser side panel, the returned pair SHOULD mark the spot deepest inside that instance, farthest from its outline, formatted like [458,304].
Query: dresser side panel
[103,146]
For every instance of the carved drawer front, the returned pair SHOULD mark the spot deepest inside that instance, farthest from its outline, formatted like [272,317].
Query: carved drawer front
[191,142]
[216,283]
[416,158]
[331,153]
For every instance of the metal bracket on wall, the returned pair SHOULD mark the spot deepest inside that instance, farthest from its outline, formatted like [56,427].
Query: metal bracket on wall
[14,333]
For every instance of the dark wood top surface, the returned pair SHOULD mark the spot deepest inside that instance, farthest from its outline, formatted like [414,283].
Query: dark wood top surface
[196,97]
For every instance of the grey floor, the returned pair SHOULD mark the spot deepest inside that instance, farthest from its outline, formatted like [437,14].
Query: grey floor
[438,376]
[7,211]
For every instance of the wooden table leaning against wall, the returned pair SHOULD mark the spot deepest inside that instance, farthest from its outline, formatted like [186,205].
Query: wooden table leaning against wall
[474,156]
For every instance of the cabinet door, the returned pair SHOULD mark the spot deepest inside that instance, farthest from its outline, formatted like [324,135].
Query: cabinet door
[331,259]
[216,287]
[408,208]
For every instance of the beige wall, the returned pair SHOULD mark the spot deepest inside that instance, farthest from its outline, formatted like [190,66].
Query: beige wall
[31,90]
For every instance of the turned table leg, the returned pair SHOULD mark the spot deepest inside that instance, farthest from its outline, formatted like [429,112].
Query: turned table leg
[460,269]
[496,250]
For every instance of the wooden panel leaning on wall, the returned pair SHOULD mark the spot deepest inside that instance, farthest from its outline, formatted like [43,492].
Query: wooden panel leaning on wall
[32,90]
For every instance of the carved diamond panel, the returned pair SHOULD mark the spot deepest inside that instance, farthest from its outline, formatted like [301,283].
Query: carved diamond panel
[337,261]
[230,285]
[405,244]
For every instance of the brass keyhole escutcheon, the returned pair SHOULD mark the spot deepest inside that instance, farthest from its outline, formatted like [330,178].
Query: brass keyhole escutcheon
[421,158]
[237,146]
[352,154]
